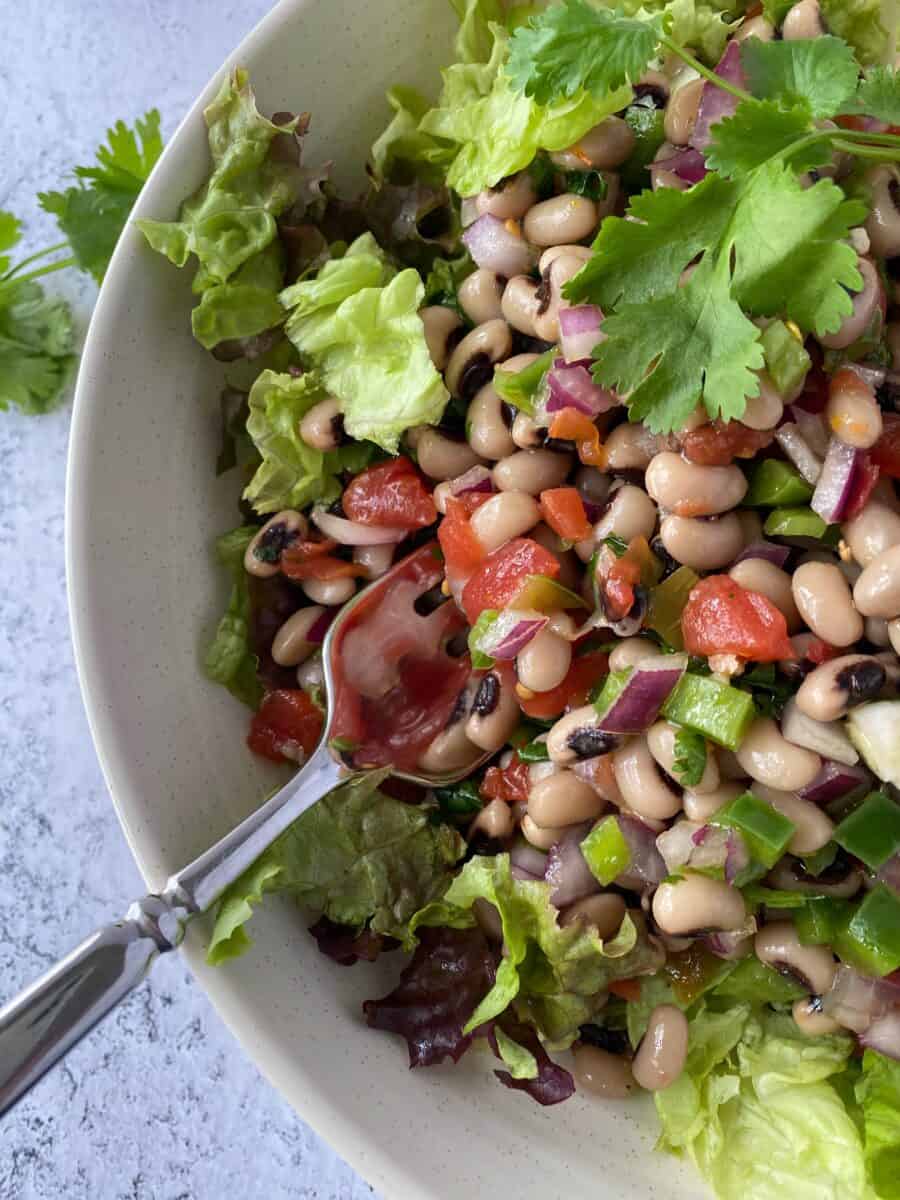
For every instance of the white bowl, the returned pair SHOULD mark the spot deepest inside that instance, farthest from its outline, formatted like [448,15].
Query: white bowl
[143,508]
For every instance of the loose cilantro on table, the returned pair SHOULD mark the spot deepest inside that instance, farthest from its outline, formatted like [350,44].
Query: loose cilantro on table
[757,241]
[36,335]
[690,757]
[92,214]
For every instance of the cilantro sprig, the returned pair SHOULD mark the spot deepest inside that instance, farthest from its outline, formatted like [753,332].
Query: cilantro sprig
[36,334]
[690,757]
[757,242]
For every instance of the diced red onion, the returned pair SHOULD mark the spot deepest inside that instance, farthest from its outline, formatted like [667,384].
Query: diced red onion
[647,868]
[834,780]
[512,631]
[568,874]
[812,429]
[732,943]
[826,738]
[777,555]
[856,1001]
[835,487]
[580,332]
[883,1035]
[799,451]
[476,479]
[495,246]
[890,873]
[637,705]
[593,511]
[715,104]
[319,627]
[688,164]
[737,858]
[527,859]
[573,387]
[352,533]
[700,847]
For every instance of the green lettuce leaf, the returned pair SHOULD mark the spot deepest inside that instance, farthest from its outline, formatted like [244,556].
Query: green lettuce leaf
[230,660]
[755,1109]
[244,306]
[497,131]
[404,151]
[860,22]
[358,856]
[521,1062]
[232,217]
[293,474]
[358,322]
[878,1094]
[554,975]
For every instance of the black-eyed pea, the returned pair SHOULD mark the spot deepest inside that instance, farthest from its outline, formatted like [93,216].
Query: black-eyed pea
[565,218]
[562,799]
[604,913]
[631,651]
[700,806]
[553,252]
[681,112]
[291,647]
[601,1073]
[803,21]
[778,945]
[643,788]
[505,516]
[486,429]
[471,365]
[875,529]
[852,412]
[824,602]
[442,325]
[689,490]
[835,686]
[262,557]
[323,426]
[539,837]
[877,591]
[605,146]
[495,821]
[769,758]
[810,1018]
[495,713]
[521,304]
[866,303]
[765,410]
[883,223]
[698,902]
[544,663]
[661,739]
[510,200]
[532,471]
[661,1056]
[702,543]
[479,296]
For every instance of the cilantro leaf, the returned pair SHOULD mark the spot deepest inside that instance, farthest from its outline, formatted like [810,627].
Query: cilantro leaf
[758,130]
[878,96]
[574,45]
[36,339]
[702,347]
[690,757]
[644,257]
[820,71]
[93,213]
[789,249]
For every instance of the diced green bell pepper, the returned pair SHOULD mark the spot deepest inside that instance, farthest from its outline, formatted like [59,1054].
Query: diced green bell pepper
[871,832]
[519,388]
[774,483]
[718,711]
[871,940]
[605,851]
[757,895]
[799,522]
[545,595]
[821,919]
[763,828]
[786,360]
[480,660]
[667,601]
[534,752]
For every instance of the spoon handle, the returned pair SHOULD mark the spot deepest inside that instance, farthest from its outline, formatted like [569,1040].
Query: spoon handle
[41,1024]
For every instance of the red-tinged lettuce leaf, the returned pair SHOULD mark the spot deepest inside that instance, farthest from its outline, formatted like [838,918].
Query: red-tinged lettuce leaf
[439,989]
[514,1042]
[346,946]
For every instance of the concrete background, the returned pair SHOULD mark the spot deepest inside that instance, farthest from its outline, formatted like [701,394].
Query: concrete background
[159,1102]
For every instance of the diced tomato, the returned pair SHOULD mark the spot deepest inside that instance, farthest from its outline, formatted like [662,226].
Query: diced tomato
[287,727]
[886,451]
[721,617]
[814,396]
[463,552]
[718,444]
[626,989]
[848,121]
[600,774]
[819,652]
[563,510]
[618,578]
[390,493]
[585,671]
[570,425]
[502,573]
[865,478]
[509,783]
[299,567]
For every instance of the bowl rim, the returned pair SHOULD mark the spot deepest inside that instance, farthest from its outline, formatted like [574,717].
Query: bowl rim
[353,1143]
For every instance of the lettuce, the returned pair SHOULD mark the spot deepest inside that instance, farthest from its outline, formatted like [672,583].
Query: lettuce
[860,22]
[404,151]
[232,217]
[358,322]
[358,856]
[498,131]
[553,974]
[878,1094]
[757,1113]
[230,659]
[244,306]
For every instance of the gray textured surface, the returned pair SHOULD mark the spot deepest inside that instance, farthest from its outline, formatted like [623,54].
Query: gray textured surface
[159,1103]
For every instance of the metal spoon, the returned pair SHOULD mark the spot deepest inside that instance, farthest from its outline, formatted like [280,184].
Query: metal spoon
[40,1026]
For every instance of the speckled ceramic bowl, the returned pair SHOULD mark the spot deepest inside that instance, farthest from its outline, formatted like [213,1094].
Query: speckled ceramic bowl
[143,507]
